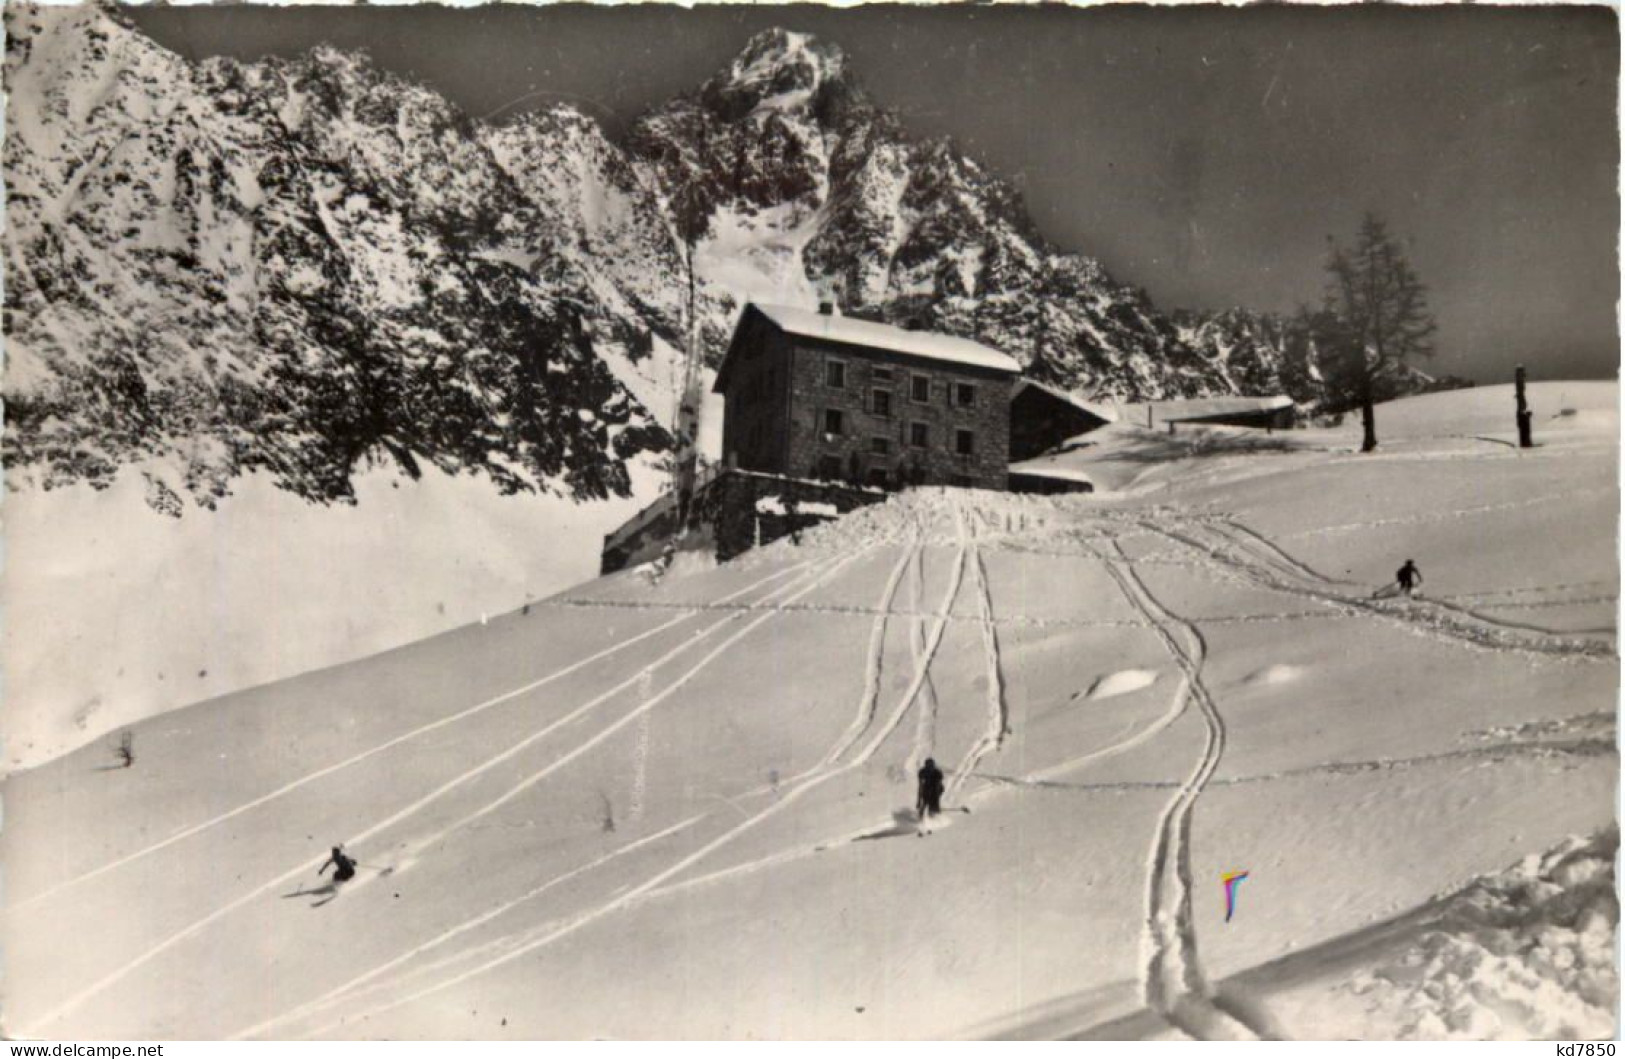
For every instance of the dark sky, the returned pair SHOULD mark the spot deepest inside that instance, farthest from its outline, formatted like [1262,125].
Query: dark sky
[1205,154]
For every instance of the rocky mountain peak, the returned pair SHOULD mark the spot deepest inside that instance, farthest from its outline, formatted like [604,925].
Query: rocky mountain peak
[778,69]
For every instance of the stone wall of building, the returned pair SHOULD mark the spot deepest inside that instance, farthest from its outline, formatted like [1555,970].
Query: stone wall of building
[725,509]
[756,414]
[880,438]
[730,508]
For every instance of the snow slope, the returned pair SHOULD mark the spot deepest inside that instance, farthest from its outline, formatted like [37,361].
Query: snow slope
[116,612]
[684,808]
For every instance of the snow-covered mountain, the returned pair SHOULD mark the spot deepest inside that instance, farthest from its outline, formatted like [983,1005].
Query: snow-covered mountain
[305,266]
[297,267]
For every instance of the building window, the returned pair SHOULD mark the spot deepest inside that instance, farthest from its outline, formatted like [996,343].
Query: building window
[920,388]
[833,422]
[878,477]
[880,374]
[964,394]
[829,468]
[835,374]
[880,446]
[881,402]
[919,435]
[964,442]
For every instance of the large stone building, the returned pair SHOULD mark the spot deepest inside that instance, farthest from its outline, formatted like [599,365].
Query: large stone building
[815,395]
[824,414]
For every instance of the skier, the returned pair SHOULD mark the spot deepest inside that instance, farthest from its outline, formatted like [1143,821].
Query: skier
[930,799]
[1409,576]
[345,866]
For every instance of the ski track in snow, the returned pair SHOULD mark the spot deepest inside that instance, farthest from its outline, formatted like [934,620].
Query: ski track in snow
[874,661]
[998,711]
[1237,528]
[651,885]
[809,581]
[1561,748]
[1558,501]
[1330,609]
[1529,589]
[355,984]
[1174,982]
[1416,615]
[925,733]
[388,744]
[910,560]
[860,723]
[421,846]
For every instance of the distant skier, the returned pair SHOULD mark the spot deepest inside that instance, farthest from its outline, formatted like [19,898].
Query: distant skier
[929,802]
[344,865]
[1409,577]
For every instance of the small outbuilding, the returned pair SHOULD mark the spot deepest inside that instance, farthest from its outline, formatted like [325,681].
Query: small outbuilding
[1044,416]
[1044,476]
[1262,413]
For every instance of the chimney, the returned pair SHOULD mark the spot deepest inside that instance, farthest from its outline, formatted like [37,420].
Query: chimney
[826,308]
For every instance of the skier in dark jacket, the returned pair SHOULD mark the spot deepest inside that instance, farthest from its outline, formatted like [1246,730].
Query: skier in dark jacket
[1409,576]
[345,867]
[929,802]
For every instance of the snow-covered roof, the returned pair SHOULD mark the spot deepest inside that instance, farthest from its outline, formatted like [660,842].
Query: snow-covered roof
[1101,411]
[1038,469]
[1205,408]
[853,331]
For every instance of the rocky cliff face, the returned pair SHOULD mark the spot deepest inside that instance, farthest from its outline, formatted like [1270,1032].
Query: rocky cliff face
[300,267]
[820,194]
[309,266]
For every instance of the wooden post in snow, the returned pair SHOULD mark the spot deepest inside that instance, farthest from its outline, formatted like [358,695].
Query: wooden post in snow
[1526,439]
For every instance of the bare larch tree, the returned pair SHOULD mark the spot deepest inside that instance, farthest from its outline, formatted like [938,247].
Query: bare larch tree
[1374,319]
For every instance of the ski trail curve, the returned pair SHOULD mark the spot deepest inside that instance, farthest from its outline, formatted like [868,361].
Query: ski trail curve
[1274,555]
[1247,536]
[73,1002]
[390,744]
[1175,984]
[1477,632]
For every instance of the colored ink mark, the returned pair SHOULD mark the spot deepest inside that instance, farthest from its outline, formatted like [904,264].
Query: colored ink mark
[1232,883]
